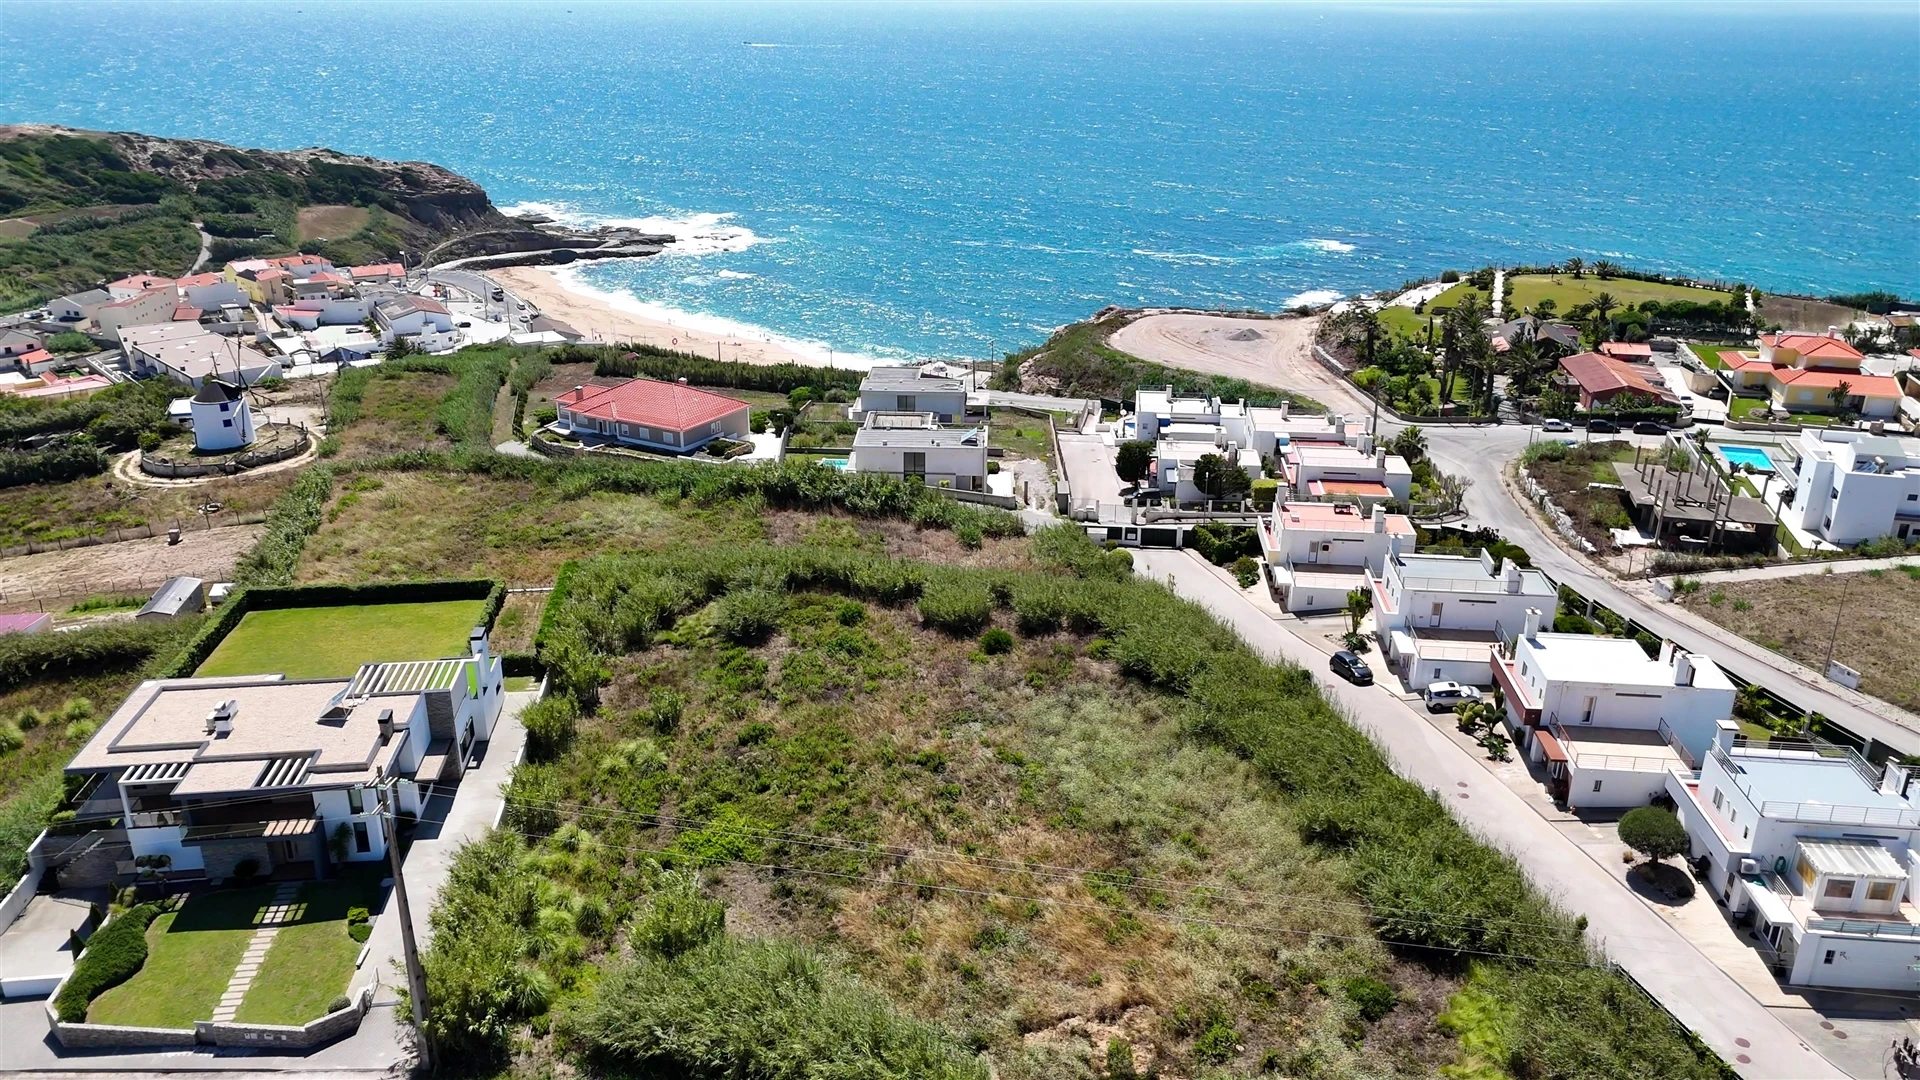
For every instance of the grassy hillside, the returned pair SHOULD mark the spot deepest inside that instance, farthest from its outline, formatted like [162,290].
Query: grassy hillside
[1077,362]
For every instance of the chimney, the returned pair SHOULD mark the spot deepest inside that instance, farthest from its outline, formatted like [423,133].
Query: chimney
[1379,518]
[1666,651]
[1393,547]
[1283,410]
[682,380]
[1380,458]
[220,720]
[1682,668]
[1533,623]
[386,725]
[1894,780]
[1510,573]
[1340,427]
[1833,331]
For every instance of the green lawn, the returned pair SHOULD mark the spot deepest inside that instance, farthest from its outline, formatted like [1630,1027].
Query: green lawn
[332,642]
[1408,323]
[1020,435]
[517,684]
[1743,407]
[1567,291]
[311,961]
[191,954]
[1710,354]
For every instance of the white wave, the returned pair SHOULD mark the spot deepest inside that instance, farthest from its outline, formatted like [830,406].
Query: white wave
[1312,298]
[694,234]
[1335,247]
[813,352]
[734,275]
[1184,256]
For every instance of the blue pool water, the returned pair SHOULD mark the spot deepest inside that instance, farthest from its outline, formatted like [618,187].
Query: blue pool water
[1751,456]
[839,463]
[958,179]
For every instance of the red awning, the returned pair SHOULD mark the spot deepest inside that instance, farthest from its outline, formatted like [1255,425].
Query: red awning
[1550,746]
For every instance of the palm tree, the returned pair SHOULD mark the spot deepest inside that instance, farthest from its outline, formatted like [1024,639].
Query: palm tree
[1839,394]
[1574,266]
[1602,304]
[1605,269]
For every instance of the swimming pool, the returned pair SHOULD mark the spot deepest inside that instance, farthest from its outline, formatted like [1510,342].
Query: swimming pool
[1751,456]
[839,463]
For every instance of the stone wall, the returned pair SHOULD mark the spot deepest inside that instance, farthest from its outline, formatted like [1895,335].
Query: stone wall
[314,1033]
[221,856]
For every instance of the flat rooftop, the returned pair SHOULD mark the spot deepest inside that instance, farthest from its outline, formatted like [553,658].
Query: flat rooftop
[1464,573]
[930,438]
[1621,661]
[1768,775]
[1336,517]
[909,380]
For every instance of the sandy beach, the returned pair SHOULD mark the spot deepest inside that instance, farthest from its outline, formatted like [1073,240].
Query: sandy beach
[603,320]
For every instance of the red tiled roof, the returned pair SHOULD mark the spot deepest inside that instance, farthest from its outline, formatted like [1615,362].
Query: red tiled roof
[139,296]
[1550,746]
[299,260]
[272,273]
[197,280]
[378,270]
[674,406]
[185,313]
[1859,385]
[1627,348]
[1599,374]
[1349,487]
[1813,345]
[33,356]
[142,282]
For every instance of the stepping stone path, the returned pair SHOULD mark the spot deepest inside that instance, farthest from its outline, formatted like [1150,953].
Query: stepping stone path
[280,910]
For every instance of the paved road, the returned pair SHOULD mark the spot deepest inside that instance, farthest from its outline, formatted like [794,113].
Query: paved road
[1730,1021]
[1483,454]
[482,286]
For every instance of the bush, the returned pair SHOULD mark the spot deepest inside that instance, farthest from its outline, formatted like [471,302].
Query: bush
[338,1004]
[748,616]
[996,642]
[550,724]
[769,1010]
[955,605]
[113,954]
[678,918]
[360,931]
[1246,570]
[1373,998]
[1655,833]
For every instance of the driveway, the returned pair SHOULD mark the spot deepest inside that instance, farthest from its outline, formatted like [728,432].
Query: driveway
[451,817]
[1669,966]
[1087,462]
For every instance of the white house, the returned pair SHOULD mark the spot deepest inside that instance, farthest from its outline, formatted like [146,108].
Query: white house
[1269,430]
[1437,617]
[426,323]
[220,416]
[312,314]
[1607,720]
[140,309]
[190,353]
[17,343]
[215,772]
[913,446]
[912,390]
[1159,407]
[1854,486]
[210,292]
[1815,848]
[651,414]
[135,284]
[1178,451]
[78,307]
[1317,553]
[1315,470]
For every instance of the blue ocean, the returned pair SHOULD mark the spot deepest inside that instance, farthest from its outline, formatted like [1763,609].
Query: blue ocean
[958,179]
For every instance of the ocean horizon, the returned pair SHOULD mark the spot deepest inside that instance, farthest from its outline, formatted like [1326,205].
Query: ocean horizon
[957,180]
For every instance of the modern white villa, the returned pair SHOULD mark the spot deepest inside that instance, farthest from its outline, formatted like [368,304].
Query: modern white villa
[1346,473]
[912,390]
[1814,848]
[915,446]
[1437,617]
[1317,553]
[1608,721]
[1177,454]
[212,773]
[1854,486]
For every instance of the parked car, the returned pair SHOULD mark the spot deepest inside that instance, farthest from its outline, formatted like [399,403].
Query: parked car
[1606,427]
[1552,424]
[1446,696]
[1649,427]
[1350,667]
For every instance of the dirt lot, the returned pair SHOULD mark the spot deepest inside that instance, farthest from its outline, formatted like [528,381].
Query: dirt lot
[59,578]
[1281,354]
[1876,611]
[1811,315]
[331,222]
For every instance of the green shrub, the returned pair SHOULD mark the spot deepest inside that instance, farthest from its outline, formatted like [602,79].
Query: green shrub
[956,605]
[550,724]
[338,1003]
[747,617]
[996,642]
[768,1010]
[664,708]
[360,931]
[1246,570]
[1653,832]
[113,954]
[1373,998]
[677,919]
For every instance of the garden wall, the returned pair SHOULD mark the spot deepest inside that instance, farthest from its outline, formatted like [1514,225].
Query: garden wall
[240,463]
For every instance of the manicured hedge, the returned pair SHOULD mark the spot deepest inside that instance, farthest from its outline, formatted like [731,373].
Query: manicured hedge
[113,954]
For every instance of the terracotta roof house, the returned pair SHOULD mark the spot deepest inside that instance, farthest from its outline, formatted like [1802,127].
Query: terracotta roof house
[1800,372]
[668,416]
[1637,351]
[135,284]
[1600,379]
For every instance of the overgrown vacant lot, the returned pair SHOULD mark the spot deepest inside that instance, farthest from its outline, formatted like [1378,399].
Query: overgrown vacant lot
[91,507]
[1566,471]
[783,794]
[396,414]
[332,642]
[1877,614]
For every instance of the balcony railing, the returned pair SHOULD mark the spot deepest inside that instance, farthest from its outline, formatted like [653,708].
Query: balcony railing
[1829,814]
[1693,763]
[1609,762]
[156,819]
[1865,927]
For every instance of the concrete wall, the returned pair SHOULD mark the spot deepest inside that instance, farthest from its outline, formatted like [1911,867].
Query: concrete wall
[1857,963]
[1620,788]
[17,900]
[209,1033]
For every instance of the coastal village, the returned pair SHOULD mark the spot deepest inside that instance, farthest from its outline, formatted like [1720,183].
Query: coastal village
[1527,529]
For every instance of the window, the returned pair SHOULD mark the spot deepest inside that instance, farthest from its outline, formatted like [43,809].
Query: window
[1719,797]
[1827,959]
[1596,785]
[357,800]
[1840,888]
[362,840]
[1913,496]
[1880,890]
[226,423]
[224,406]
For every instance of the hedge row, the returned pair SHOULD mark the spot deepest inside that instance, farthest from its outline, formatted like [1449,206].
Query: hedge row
[55,465]
[106,647]
[113,954]
[294,517]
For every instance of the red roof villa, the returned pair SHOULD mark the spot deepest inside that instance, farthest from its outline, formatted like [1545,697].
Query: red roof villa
[647,413]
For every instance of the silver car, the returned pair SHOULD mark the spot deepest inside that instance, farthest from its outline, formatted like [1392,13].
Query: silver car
[1447,696]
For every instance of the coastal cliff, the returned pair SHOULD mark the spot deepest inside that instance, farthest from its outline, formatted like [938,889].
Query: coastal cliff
[80,207]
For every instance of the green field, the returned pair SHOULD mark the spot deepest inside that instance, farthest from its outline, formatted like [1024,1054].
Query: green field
[332,642]
[1567,291]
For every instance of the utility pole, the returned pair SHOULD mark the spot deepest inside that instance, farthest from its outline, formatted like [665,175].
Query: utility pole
[416,975]
[1839,609]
